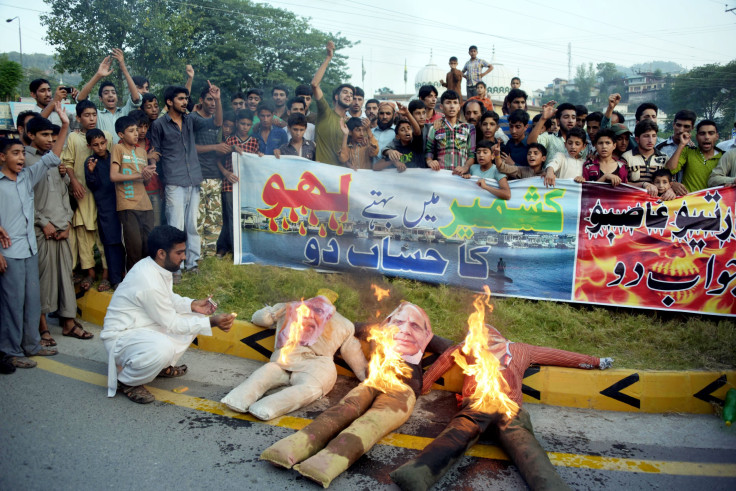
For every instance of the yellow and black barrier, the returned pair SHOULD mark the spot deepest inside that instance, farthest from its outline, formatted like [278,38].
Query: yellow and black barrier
[647,391]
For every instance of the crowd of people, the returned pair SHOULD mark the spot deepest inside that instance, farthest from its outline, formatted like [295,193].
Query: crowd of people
[69,197]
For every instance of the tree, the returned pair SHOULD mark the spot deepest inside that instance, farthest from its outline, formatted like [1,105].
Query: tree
[234,43]
[611,79]
[709,90]
[11,74]
[584,82]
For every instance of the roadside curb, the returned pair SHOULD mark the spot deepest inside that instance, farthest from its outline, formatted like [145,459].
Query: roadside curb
[644,391]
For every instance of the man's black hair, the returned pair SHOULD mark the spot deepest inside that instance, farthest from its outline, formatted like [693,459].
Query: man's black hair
[374,101]
[620,116]
[472,46]
[124,123]
[596,116]
[83,106]
[21,119]
[643,107]
[358,92]
[580,110]
[140,117]
[481,83]
[685,115]
[172,91]
[414,105]
[35,84]
[140,80]
[339,88]
[449,95]
[148,97]
[607,132]
[296,99]
[55,129]
[516,78]
[104,84]
[164,237]
[93,134]
[644,126]
[353,123]
[577,133]
[484,144]
[244,114]
[473,101]
[296,119]
[662,173]
[426,90]
[229,116]
[565,106]
[203,93]
[266,106]
[542,149]
[453,58]
[237,95]
[489,114]
[6,143]
[399,123]
[255,91]
[304,89]
[38,123]
[706,122]
[515,94]
[280,87]
[519,116]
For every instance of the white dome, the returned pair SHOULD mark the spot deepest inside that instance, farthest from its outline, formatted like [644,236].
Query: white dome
[430,75]
[498,82]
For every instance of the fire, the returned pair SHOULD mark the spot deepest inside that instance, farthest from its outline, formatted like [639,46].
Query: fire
[386,364]
[295,330]
[488,395]
[379,292]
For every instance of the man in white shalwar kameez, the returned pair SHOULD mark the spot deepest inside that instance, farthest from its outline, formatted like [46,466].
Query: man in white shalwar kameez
[148,327]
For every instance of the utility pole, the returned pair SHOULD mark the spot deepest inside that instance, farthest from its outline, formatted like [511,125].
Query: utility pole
[20,39]
[569,60]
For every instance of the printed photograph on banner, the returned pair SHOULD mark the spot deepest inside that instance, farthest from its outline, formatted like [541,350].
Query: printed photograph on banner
[673,255]
[418,224]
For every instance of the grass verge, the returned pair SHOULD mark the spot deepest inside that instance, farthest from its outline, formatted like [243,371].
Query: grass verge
[637,339]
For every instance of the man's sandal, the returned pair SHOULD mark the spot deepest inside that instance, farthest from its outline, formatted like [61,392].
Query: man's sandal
[136,393]
[78,332]
[47,341]
[173,372]
[104,286]
[86,283]
[22,362]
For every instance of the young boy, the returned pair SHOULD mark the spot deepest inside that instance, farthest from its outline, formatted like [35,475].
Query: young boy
[565,114]
[84,235]
[359,144]
[97,174]
[484,169]
[697,163]
[482,96]
[128,170]
[452,147]
[489,126]
[20,300]
[297,145]
[536,156]
[644,160]
[453,78]
[604,166]
[428,95]
[662,180]
[228,125]
[154,187]
[240,142]
[407,149]
[567,165]
[269,137]
[516,148]
[473,70]
[418,111]
[149,105]
[623,139]
[299,105]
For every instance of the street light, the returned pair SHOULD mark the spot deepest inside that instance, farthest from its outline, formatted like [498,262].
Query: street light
[20,39]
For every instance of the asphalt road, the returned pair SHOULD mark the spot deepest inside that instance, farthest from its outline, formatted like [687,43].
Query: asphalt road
[58,430]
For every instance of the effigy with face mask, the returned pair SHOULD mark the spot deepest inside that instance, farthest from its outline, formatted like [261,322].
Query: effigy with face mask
[491,399]
[308,334]
[377,406]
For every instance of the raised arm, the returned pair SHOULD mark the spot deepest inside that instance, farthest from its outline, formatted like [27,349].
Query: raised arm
[135,96]
[673,162]
[104,70]
[613,101]
[317,79]
[215,93]
[61,139]
[548,112]
[190,78]
[404,112]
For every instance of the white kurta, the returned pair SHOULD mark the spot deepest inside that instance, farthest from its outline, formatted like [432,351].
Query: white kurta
[309,370]
[148,326]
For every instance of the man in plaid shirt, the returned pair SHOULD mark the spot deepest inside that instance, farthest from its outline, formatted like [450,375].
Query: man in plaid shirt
[450,143]
[240,142]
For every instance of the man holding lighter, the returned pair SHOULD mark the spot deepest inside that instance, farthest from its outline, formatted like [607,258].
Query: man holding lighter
[148,327]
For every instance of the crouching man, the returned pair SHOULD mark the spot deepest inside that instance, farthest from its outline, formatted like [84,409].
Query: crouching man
[148,327]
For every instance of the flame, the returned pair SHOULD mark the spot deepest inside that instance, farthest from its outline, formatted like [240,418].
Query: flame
[386,364]
[295,330]
[379,292]
[488,395]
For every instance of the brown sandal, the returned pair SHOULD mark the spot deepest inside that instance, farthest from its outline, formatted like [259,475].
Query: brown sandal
[136,393]
[173,372]
[48,341]
[79,335]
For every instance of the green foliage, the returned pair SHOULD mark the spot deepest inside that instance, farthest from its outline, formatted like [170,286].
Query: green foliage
[585,79]
[611,79]
[709,90]
[11,74]
[233,43]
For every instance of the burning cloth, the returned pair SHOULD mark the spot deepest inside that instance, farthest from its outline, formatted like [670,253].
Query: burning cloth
[308,334]
[380,404]
[511,422]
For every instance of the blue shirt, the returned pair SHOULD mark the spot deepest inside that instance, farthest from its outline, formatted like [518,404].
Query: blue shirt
[16,206]
[517,152]
[106,119]
[276,138]
[491,173]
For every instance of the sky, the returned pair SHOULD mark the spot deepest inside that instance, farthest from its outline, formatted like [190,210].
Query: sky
[530,37]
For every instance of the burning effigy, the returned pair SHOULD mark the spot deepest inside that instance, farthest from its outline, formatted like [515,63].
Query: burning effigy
[308,334]
[339,436]
[494,369]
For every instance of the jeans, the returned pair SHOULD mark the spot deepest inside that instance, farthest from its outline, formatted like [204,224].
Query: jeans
[182,207]
[225,241]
